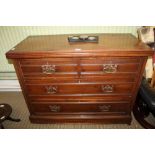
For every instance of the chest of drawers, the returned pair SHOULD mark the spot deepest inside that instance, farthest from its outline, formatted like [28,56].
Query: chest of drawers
[80,82]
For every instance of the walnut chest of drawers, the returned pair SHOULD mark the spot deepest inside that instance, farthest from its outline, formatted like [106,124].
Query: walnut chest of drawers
[80,82]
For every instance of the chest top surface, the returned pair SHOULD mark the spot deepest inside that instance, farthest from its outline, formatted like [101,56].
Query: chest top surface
[58,45]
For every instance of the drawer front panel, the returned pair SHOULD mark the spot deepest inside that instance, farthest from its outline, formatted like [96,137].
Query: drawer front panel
[83,98]
[80,108]
[110,68]
[109,65]
[83,79]
[72,67]
[49,67]
[56,89]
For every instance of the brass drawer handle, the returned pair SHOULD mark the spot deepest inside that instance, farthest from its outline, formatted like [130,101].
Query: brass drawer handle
[48,69]
[51,89]
[54,108]
[108,88]
[110,68]
[104,108]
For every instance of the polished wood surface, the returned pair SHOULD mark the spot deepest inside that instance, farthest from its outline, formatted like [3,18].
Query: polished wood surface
[80,82]
[83,108]
[58,45]
[71,66]
[76,88]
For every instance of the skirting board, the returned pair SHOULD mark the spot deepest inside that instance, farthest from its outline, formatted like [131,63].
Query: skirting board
[9,85]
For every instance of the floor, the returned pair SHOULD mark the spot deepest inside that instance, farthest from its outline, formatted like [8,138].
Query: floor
[16,100]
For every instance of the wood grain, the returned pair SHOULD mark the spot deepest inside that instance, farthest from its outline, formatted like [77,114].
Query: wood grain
[80,82]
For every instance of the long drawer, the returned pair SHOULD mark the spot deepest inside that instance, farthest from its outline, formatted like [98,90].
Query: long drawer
[118,78]
[56,108]
[80,98]
[80,88]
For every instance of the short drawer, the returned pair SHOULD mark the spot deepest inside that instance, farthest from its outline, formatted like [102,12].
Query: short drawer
[50,70]
[63,89]
[109,65]
[50,67]
[109,68]
[80,108]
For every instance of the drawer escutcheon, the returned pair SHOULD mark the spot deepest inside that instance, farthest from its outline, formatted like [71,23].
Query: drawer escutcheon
[54,108]
[108,88]
[104,108]
[110,68]
[48,69]
[51,89]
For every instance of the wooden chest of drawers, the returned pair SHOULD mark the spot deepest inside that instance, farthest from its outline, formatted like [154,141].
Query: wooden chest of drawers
[80,82]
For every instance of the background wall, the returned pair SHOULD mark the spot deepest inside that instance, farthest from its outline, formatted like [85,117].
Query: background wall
[12,35]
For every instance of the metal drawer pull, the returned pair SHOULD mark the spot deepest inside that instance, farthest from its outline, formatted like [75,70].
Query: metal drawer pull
[104,107]
[108,88]
[109,68]
[54,108]
[51,89]
[48,69]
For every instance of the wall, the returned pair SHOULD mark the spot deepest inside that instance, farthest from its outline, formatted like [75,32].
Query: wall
[11,35]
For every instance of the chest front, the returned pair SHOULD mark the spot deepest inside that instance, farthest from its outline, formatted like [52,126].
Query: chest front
[93,85]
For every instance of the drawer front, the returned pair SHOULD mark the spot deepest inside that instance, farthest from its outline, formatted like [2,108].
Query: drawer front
[49,67]
[80,108]
[63,89]
[83,79]
[109,65]
[81,98]
[78,66]
[49,70]
[109,68]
